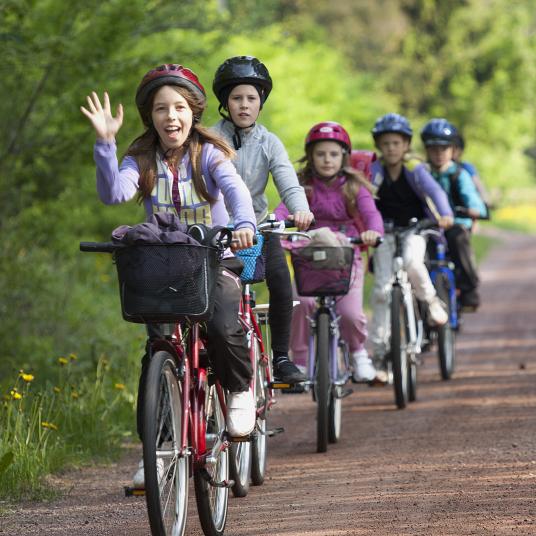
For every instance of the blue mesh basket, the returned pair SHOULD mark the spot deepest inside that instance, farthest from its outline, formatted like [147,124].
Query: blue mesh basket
[254,262]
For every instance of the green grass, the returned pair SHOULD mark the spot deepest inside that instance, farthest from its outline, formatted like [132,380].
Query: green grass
[49,426]
[520,216]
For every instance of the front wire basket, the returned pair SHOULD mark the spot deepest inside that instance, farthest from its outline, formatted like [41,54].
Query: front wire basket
[165,283]
[322,270]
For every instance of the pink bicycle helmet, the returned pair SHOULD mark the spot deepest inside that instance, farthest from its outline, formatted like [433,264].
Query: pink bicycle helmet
[169,74]
[329,131]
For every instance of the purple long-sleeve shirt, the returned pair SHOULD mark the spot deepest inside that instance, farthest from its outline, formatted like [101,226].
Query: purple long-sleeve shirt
[327,203]
[117,184]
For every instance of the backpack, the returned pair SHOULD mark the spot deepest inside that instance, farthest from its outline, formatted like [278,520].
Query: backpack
[455,187]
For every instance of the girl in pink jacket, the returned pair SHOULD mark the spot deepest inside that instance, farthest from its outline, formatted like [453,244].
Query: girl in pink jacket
[340,202]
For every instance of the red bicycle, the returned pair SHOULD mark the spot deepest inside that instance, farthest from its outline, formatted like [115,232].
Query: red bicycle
[184,410]
[248,458]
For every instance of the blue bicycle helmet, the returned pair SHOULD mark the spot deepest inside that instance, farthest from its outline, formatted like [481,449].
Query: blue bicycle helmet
[439,131]
[392,122]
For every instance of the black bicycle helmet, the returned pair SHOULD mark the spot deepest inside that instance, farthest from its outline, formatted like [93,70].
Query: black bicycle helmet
[392,123]
[439,131]
[241,70]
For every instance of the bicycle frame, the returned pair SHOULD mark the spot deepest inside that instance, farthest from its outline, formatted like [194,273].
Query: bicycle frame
[400,279]
[194,375]
[248,319]
[441,265]
[327,304]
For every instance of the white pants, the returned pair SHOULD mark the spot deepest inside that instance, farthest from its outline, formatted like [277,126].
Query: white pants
[414,249]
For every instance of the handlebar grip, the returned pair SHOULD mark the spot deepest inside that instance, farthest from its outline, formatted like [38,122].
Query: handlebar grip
[463,212]
[357,241]
[98,247]
[426,223]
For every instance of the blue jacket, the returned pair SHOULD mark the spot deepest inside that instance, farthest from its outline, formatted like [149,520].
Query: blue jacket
[467,192]
[423,184]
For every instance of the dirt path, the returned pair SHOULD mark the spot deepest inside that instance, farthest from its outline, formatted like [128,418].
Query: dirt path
[460,461]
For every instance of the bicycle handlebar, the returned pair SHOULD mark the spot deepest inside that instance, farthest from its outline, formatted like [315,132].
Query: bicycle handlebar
[463,212]
[414,225]
[358,241]
[99,247]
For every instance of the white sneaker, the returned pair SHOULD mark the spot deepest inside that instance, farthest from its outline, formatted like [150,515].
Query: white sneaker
[240,413]
[138,481]
[364,370]
[302,369]
[437,313]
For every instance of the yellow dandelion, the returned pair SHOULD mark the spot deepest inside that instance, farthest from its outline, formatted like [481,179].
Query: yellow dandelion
[56,389]
[49,425]
[119,386]
[14,394]
[73,356]
[74,395]
[63,361]
[26,377]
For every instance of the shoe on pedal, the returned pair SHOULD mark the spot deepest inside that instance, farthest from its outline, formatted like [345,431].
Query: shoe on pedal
[363,369]
[286,371]
[436,312]
[240,413]
[138,480]
[470,299]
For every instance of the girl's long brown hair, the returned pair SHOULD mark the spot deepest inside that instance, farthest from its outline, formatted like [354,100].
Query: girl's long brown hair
[350,187]
[145,147]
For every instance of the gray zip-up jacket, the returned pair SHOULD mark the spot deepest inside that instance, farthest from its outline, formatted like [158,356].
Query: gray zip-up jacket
[263,153]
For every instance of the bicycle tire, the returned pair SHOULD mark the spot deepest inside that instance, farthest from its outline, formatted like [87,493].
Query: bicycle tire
[259,445]
[335,415]
[166,472]
[240,467]
[412,359]
[212,501]
[446,336]
[322,383]
[399,357]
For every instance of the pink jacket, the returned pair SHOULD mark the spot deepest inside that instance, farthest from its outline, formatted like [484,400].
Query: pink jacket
[329,208]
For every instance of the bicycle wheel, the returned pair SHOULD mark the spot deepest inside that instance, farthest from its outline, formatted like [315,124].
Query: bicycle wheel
[322,387]
[240,467]
[259,446]
[399,357]
[166,470]
[335,415]
[446,336]
[212,499]
[412,359]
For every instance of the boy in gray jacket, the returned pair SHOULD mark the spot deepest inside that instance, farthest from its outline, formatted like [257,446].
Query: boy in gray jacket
[242,85]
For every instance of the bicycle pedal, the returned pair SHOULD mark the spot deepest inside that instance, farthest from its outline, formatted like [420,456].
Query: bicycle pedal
[238,439]
[215,483]
[134,492]
[274,431]
[279,385]
[294,389]
[469,309]
[344,393]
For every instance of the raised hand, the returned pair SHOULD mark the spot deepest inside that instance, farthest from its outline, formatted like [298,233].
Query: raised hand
[105,124]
